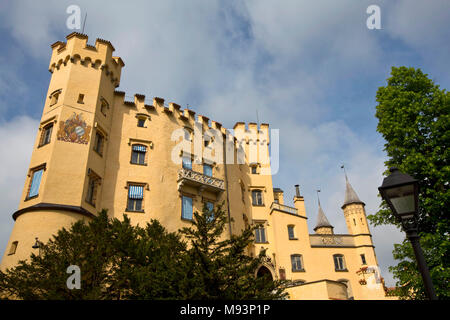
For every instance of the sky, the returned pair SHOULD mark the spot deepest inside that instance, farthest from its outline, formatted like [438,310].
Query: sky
[308,68]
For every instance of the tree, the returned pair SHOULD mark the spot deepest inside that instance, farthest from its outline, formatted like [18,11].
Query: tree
[414,119]
[117,261]
[223,267]
[120,261]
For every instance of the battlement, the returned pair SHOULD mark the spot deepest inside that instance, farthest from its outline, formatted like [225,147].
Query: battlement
[252,133]
[76,50]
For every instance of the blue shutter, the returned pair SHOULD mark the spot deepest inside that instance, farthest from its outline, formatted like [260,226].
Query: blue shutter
[136,192]
[187,163]
[139,148]
[207,170]
[187,208]
[35,183]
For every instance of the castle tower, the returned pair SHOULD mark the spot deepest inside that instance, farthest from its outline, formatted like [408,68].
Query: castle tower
[323,226]
[354,212]
[68,160]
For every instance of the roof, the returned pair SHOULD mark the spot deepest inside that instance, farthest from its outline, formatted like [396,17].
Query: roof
[322,220]
[350,194]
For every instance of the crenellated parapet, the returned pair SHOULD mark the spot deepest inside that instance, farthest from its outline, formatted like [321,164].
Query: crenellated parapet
[77,51]
[252,134]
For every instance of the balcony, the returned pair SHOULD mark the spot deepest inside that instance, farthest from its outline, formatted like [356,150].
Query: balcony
[200,181]
[283,208]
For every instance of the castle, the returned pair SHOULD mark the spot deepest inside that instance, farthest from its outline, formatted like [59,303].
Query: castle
[95,149]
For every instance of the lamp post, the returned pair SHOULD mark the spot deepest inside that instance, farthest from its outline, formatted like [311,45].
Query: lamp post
[401,192]
[37,245]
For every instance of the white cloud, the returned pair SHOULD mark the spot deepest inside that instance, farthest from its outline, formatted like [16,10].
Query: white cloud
[18,135]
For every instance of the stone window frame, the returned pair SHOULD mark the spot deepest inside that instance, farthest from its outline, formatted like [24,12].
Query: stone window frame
[103,105]
[97,181]
[42,127]
[145,186]
[293,232]
[302,265]
[13,248]
[262,225]
[337,257]
[30,176]
[54,97]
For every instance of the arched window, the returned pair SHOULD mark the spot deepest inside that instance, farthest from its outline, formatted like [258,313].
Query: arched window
[257,198]
[138,154]
[339,262]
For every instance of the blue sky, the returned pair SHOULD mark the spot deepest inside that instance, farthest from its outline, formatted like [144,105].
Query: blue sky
[310,68]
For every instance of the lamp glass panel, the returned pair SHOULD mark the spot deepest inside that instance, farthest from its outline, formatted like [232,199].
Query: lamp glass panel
[404,204]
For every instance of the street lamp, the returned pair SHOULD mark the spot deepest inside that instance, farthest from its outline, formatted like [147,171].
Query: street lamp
[401,192]
[37,245]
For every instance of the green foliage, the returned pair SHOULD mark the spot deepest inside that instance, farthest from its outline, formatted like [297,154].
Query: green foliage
[121,261]
[414,119]
[223,267]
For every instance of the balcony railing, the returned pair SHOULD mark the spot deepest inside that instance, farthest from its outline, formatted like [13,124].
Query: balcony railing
[283,208]
[199,180]
[331,240]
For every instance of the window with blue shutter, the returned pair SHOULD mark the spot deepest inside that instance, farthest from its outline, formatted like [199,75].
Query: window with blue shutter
[186,208]
[207,170]
[135,197]
[138,154]
[35,183]
[187,163]
[210,207]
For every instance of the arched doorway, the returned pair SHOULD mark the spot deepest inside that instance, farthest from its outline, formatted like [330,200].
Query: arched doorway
[264,272]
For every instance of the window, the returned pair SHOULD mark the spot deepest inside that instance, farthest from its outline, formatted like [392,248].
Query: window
[93,183]
[296,262]
[35,183]
[135,197]
[187,163]
[254,169]
[141,122]
[363,259]
[13,248]
[81,98]
[257,198]
[104,106]
[54,97]
[46,135]
[339,263]
[207,170]
[354,222]
[188,133]
[291,233]
[260,234]
[138,153]
[276,201]
[98,144]
[210,207]
[186,208]
[282,274]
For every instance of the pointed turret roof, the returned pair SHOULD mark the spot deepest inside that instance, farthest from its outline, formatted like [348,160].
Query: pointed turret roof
[350,194]
[322,220]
